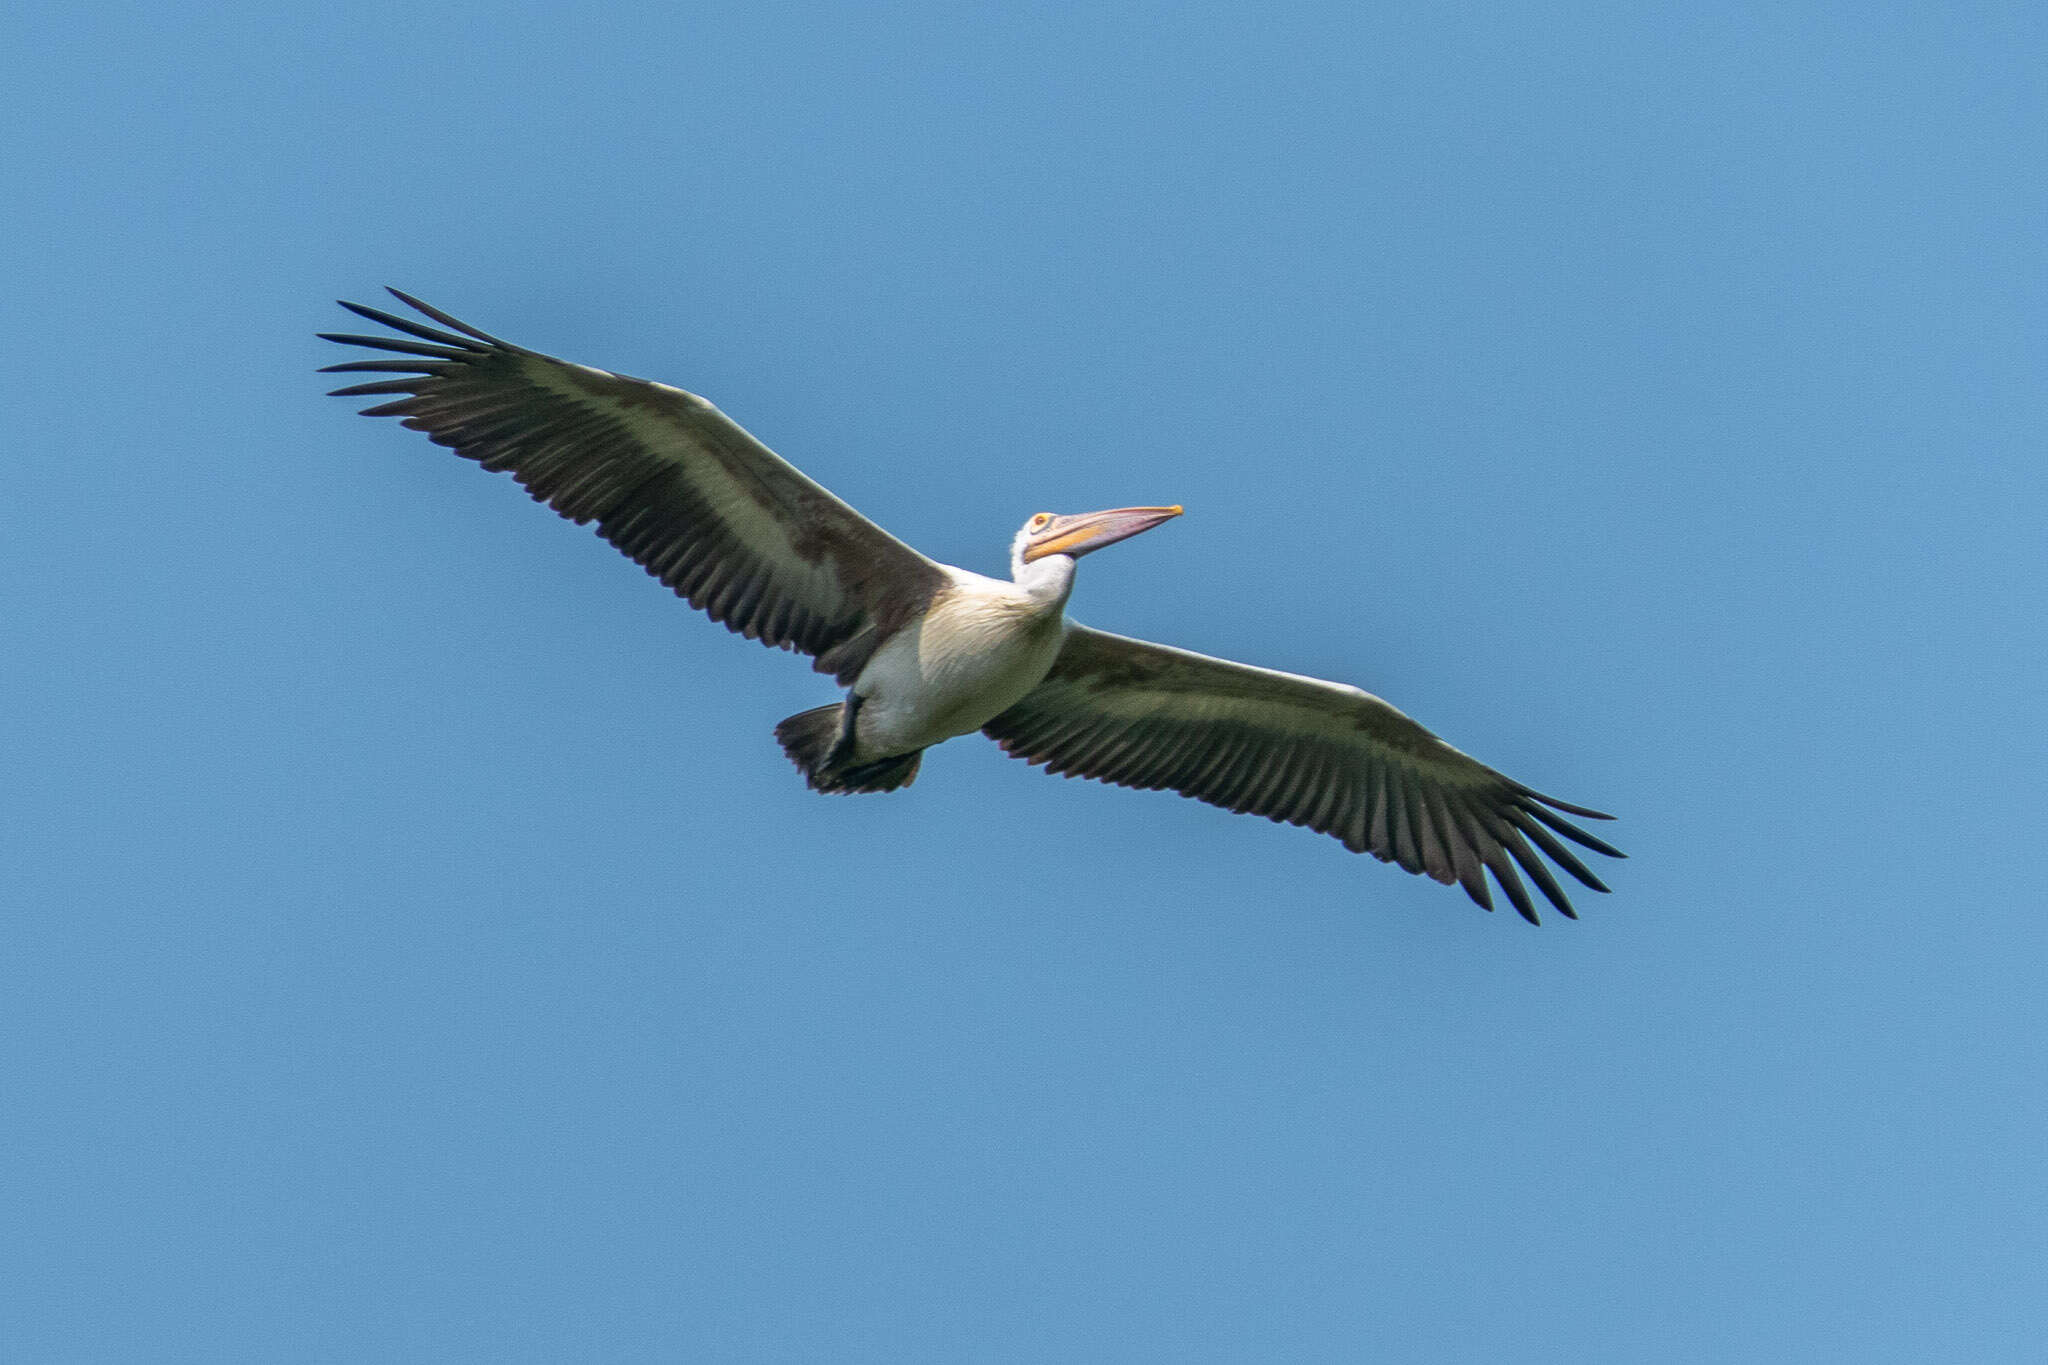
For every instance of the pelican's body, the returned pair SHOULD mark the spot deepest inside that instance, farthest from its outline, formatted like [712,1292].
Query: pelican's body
[981,647]
[929,652]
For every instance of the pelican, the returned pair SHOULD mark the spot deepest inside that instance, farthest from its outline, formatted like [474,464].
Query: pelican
[927,651]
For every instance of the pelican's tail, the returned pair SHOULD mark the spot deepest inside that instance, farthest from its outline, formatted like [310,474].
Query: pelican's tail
[818,742]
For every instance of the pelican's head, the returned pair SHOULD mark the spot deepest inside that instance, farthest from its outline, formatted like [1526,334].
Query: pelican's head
[1050,534]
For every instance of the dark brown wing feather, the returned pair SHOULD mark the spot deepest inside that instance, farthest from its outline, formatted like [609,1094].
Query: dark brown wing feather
[668,478]
[1298,750]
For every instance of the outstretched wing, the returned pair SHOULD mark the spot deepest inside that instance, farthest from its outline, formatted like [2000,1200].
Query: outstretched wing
[669,479]
[1298,750]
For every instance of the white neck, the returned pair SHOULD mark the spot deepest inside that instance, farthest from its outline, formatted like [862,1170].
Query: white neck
[1048,579]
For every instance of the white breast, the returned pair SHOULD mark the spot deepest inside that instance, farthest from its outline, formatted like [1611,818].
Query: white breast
[980,648]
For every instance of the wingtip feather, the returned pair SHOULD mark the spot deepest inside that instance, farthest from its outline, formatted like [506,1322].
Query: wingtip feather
[445,319]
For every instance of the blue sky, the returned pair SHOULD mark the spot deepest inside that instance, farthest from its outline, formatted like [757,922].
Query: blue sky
[417,948]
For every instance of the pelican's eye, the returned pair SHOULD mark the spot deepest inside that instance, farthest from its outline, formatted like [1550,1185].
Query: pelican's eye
[1041,521]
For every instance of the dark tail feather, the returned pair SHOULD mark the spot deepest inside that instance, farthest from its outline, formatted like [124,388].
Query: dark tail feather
[809,737]
[812,739]
[882,775]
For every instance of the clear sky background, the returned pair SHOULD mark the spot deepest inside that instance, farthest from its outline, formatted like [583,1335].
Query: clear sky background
[416,947]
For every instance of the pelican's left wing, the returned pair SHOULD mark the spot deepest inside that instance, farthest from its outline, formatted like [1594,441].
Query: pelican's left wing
[1298,750]
[669,479]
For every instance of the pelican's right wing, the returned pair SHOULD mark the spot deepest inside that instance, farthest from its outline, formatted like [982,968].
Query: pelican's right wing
[669,479]
[1298,750]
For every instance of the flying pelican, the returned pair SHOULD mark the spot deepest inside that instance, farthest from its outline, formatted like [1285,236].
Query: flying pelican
[928,651]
